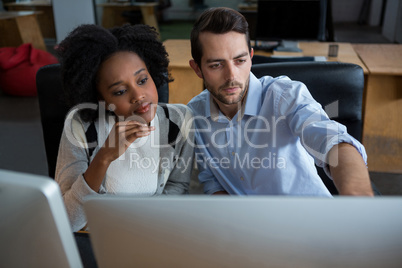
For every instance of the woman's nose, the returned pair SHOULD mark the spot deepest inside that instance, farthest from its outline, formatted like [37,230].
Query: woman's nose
[136,95]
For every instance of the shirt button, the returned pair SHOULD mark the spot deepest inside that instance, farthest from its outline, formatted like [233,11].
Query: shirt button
[233,153]
[242,178]
[161,185]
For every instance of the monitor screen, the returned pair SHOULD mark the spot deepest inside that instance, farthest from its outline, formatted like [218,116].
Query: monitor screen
[34,226]
[280,20]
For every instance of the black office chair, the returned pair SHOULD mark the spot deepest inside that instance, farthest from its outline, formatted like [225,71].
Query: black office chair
[53,109]
[327,82]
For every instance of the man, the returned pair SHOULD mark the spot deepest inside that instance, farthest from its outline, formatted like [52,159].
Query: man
[262,136]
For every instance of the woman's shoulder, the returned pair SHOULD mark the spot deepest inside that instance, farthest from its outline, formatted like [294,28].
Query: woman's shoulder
[76,123]
[174,112]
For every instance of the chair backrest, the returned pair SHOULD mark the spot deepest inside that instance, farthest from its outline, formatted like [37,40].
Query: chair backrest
[53,109]
[329,83]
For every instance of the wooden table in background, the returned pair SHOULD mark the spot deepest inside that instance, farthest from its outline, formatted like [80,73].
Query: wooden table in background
[112,13]
[346,52]
[19,27]
[187,84]
[45,18]
[248,7]
[382,132]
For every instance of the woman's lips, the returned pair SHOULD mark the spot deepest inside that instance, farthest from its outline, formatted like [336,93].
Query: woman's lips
[143,108]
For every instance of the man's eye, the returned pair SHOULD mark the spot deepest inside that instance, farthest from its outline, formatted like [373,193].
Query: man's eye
[241,60]
[143,81]
[216,65]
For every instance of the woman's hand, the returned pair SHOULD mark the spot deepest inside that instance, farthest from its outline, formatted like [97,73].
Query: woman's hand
[121,136]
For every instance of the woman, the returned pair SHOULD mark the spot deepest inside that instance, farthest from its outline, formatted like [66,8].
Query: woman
[118,139]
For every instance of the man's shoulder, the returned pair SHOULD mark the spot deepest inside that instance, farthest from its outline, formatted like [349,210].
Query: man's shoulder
[197,104]
[279,85]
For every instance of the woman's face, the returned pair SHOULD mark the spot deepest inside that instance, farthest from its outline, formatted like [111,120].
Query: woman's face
[127,88]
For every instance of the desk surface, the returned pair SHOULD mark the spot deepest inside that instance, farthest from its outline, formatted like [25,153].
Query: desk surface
[14,14]
[180,52]
[30,3]
[247,6]
[140,4]
[346,52]
[381,58]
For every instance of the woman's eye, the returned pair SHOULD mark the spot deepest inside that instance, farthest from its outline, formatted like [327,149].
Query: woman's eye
[143,81]
[119,92]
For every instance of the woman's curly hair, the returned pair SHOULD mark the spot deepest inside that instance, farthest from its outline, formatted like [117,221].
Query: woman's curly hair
[83,51]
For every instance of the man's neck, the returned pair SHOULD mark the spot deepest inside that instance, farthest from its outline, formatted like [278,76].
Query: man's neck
[229,110]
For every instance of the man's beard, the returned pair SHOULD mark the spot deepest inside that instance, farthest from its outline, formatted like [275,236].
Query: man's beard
[223,98]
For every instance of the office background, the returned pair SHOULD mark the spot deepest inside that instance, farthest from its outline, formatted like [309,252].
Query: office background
[21,141]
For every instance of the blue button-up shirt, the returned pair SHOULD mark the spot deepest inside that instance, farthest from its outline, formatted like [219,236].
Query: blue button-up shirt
[271,144]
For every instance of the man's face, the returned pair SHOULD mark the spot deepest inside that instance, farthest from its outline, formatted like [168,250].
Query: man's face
[225,67]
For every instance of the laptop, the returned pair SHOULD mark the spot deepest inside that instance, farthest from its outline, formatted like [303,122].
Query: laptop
[34,227]
[262,231]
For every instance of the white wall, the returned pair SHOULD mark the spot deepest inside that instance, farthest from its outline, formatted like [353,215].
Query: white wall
[349,11]
[69,14]
[346,10]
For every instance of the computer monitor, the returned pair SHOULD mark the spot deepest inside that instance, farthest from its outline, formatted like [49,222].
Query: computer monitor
[237,231]
[34,227]
[291,20]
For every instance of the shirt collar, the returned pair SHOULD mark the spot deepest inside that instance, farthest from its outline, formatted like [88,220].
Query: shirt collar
[254,97]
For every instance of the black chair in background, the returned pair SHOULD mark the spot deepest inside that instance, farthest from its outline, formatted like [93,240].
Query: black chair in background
[53,109]
[328,83]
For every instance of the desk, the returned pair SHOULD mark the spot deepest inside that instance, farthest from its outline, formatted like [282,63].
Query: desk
[247,6]
[112,13]
[382,132]
[346,52]
[45,18]
[187,84]
[19,27]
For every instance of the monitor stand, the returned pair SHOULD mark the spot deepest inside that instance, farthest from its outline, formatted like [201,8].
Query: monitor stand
[288,46]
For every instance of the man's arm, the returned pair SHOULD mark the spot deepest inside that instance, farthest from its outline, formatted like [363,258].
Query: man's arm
[349,171]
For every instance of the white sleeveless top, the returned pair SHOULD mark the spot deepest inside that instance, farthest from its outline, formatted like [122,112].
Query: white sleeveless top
[135,172]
